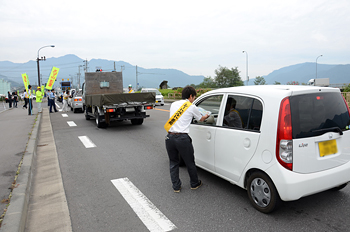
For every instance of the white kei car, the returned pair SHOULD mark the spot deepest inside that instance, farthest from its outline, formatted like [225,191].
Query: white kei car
[159,96]
[280,142]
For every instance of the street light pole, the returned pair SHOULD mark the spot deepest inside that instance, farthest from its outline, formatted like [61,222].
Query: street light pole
[38,59]
[247,77]
[316,65]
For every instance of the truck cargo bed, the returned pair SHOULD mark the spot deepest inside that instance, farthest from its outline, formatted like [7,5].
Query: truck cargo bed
[119,98]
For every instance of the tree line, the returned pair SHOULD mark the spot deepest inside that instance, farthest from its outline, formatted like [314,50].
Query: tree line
[229,77]
[226,77]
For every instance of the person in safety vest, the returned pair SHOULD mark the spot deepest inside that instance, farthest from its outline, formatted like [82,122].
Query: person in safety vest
[130,89]
[39,98]
[177,142]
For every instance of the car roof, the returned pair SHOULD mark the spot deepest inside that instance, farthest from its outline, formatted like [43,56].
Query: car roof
[286,90]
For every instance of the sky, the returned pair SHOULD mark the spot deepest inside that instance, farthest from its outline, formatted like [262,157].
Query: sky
[193,36]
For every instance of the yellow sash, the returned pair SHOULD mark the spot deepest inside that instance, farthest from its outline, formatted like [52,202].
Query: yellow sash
[177,115]
[130,91]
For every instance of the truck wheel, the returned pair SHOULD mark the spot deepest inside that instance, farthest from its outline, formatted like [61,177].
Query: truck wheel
[87,117]
[136,121]
[262,192]
[99,124]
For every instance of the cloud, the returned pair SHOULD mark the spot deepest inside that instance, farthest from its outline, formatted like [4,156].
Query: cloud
[192,36]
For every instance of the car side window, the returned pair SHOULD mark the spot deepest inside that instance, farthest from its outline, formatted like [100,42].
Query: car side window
[242,112]
[209,105]
[255,116]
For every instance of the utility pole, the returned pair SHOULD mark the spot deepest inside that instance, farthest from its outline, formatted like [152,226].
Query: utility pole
[79,76]
[86,69]
[137,81]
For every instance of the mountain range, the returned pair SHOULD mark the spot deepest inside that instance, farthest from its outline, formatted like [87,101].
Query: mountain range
[303,72]
[69,69]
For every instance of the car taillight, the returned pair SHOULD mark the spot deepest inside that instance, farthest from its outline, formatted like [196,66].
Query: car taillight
[284,142]
[347,106]
[148,107]
[77,99]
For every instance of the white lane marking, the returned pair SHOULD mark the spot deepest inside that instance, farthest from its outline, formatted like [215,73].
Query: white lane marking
[57,105]
[149,214]
[71,123]
[86,141]
[65,115]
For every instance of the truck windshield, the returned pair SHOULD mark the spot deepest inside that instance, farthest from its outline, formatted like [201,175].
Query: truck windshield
[316,114]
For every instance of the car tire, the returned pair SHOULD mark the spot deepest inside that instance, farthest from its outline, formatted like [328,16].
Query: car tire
[262,193]
[340,187]
[74,110]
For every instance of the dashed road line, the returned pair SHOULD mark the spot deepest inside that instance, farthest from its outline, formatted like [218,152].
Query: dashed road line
[86,141]
[71,123]
[149,214]
[65,115]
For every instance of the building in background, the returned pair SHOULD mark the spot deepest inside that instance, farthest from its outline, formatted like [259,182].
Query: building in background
[5,86]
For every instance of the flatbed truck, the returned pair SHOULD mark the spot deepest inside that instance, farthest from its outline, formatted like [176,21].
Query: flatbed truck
[104,100]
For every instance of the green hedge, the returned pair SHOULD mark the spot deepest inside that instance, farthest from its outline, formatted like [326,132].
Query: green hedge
[200,91]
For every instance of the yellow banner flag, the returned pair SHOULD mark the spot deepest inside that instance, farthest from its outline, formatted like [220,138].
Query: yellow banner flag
[43,90]
[52,79]
[25,81]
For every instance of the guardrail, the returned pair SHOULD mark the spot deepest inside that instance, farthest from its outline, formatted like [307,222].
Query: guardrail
[339,85]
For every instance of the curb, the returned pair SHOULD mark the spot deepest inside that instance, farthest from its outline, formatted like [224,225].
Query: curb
[16,214]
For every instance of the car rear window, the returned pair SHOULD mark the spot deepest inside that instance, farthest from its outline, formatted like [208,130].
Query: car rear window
[315,114]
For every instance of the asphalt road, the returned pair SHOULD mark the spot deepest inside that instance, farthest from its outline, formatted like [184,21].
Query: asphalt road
[138,153]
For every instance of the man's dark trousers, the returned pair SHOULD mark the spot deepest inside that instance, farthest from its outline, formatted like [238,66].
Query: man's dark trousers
[181,145]
[52,104]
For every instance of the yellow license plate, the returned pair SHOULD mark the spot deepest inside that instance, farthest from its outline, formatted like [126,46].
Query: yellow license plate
[156,101]
[328,147]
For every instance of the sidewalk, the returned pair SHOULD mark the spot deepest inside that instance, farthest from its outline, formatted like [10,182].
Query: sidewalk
[37,202]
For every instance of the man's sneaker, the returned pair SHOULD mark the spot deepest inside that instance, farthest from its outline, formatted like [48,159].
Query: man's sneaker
[177,190]
[199,185]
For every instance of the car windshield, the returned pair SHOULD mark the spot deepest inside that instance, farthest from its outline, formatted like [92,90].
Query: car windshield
[153,91]
[316,114]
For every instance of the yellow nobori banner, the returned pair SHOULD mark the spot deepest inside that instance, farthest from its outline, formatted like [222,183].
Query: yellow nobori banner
[25,81]
[52,79]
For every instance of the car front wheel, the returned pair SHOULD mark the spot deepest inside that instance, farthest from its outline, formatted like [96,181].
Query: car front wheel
[262,192]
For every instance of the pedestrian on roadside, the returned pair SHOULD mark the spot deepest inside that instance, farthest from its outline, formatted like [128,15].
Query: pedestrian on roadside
[52,101]
[30,103]
[9,98]
[39,98]
[15,99]
[178,143]
[65,101]
[26,96]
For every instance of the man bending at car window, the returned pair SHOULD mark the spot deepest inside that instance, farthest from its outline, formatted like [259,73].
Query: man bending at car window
[232,119]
